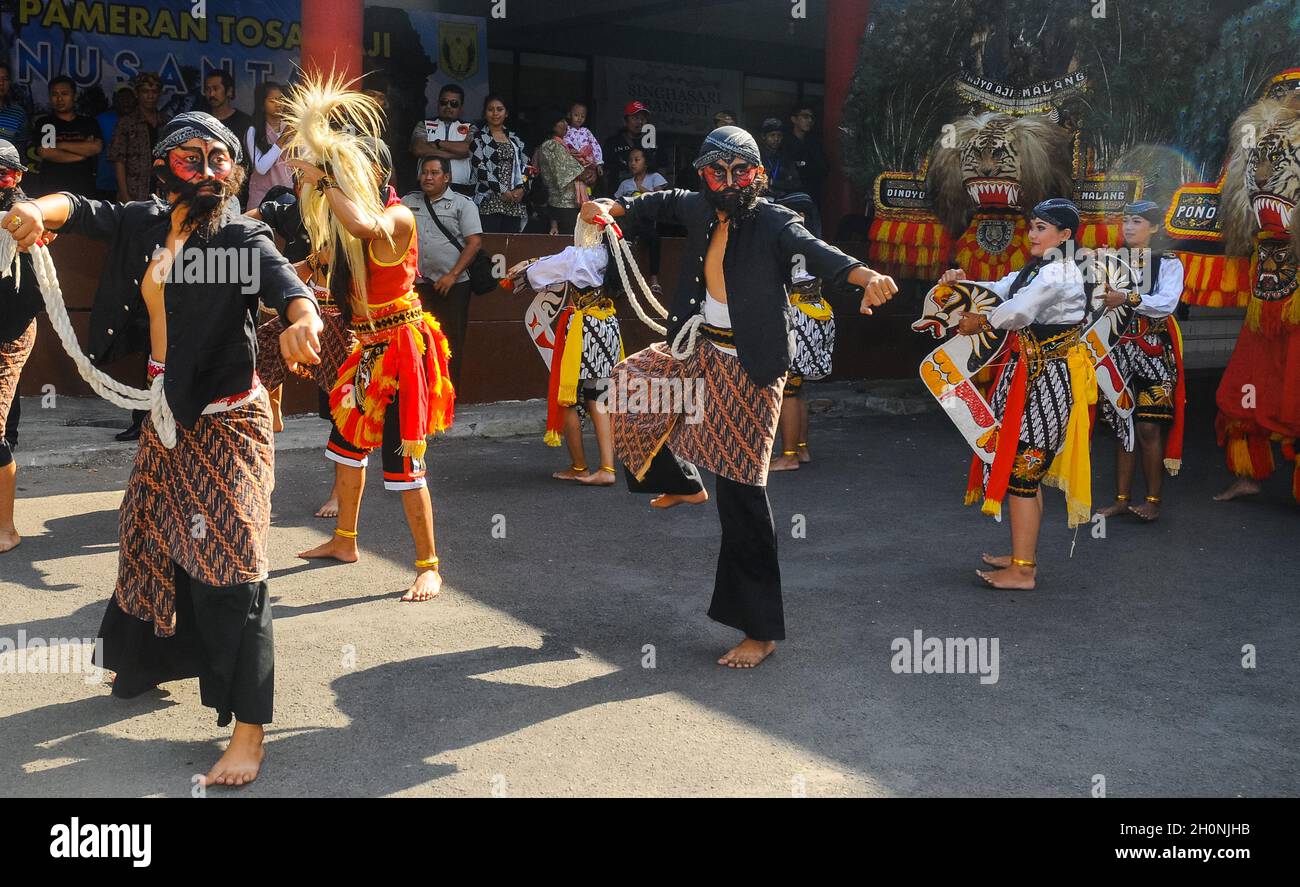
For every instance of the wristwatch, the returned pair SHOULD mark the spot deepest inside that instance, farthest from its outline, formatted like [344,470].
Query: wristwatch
[325,182]
[1134,298]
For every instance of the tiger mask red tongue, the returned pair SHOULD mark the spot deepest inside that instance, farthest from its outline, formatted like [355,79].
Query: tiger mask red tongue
[993,193]
[1273,213]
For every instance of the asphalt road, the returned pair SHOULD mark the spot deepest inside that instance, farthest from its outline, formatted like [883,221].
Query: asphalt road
[528,677]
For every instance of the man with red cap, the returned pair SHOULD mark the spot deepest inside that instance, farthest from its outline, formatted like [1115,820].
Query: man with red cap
[618,146]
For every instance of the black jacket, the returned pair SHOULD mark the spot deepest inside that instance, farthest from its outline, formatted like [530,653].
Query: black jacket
[18,305]
[211,325]
[757,265]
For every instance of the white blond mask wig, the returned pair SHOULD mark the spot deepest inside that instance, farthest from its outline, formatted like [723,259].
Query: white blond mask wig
[339,130]
[1264,165]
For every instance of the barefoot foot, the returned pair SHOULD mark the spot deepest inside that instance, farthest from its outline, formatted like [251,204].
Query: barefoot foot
[427,586]
[242,760]
[748,653]
[1242,486]
[600,478]
[803,454]
[668,500]
[9,540]
[1013,577]
[784,463]
[1001,561]
[1148,511]
[337,547]
[330,508]
[1119,506]
[569,474]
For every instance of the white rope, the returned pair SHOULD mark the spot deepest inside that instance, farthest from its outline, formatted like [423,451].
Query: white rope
[690,332]
[619,247]
[151,399]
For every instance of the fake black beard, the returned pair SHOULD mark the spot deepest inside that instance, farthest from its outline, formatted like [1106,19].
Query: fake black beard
[733,202]
[10,196]
[205,211]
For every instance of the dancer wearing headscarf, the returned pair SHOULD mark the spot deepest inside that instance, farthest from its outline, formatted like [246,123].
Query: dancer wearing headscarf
[1150,359]
[394,390]
[732,294]
[192,597]
[1042,394]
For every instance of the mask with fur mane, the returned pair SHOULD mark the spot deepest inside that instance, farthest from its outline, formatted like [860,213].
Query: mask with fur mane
[997,161]
[1262,186]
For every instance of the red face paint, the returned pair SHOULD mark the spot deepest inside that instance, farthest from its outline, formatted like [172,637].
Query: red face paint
[188,164]
[8,179]
[741,176]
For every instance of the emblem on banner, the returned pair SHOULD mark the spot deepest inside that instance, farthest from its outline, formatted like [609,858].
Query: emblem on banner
[458,49]
[994,235]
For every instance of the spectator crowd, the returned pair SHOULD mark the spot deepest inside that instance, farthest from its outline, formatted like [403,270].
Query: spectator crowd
[79,145]
[474,173]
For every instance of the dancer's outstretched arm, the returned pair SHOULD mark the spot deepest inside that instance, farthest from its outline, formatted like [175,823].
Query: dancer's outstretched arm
[28,220]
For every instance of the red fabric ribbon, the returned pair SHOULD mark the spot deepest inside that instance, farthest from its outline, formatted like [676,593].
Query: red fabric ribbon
[555,412]
[1009,430]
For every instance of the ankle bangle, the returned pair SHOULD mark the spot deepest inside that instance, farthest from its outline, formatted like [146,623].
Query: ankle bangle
[801,445]
[1022,563]
[1154,500]
[346,534]
[609,468]
[430,564]
[1121,497]
[577,467]
[789,452]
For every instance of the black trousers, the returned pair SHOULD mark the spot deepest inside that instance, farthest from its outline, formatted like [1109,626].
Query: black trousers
[223,637]
[500,223]
[452,313]
[747,585]
[565,219]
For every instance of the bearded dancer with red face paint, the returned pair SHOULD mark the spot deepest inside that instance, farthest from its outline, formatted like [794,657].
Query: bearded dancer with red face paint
[192,597]
[728,337]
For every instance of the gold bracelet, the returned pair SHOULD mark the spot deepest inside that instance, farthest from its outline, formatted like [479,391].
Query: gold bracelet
[1023,563]
[346,534]
[427,564]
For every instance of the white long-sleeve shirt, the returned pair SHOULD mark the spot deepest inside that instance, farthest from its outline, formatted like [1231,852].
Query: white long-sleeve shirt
[1166,292]
[268,168]
[582,266]
[1055,295]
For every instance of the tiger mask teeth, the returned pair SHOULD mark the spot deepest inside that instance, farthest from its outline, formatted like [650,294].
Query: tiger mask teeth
[1273,213]
[993,193]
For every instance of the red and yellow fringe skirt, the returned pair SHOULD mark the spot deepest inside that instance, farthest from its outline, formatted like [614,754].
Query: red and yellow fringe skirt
[400,347]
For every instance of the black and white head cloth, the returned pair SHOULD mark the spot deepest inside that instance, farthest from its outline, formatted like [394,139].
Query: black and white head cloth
[725,143]
[9,157]
[1059,212]
[196,125]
